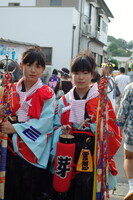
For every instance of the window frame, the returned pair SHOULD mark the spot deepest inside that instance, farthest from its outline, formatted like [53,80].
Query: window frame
[13,4]
[55,3]
[48,56]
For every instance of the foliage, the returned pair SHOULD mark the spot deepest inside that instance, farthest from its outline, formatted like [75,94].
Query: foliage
[113,46]
[119,47]
[114,62]
[130,45]
[132,66]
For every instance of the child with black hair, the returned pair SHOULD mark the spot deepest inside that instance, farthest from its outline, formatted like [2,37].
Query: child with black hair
[76,113]
[64,84]
[27,176]
[54,79]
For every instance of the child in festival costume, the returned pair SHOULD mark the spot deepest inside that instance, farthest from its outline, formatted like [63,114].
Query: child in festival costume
[77,111]
[54,79]
[27,176]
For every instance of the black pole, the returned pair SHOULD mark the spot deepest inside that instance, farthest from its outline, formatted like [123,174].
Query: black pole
[74,27]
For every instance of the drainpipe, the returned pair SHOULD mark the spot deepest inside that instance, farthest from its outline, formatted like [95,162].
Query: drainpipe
[74,27]
[81,6]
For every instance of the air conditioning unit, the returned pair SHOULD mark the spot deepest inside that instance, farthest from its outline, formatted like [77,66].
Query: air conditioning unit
[88,28]
[98,34]
[84,29]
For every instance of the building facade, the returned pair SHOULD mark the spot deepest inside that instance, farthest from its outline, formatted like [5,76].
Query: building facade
[123,61]
[61,27]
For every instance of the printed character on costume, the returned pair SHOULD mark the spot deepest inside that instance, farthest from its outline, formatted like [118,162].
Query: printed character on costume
[77,111]
[29,137]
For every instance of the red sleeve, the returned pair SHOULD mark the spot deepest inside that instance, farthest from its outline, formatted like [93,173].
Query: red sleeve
[91,107]
[14,100]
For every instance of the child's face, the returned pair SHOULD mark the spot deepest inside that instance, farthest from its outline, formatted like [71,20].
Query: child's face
[105,71]
[82,80]
[32,71]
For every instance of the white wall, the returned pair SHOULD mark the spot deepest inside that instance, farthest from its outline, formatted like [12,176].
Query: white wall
[76,22]
[13,51]
[47,27]
[22,2]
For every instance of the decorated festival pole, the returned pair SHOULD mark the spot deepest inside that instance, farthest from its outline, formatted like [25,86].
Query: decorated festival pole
[101,162]
[5,98]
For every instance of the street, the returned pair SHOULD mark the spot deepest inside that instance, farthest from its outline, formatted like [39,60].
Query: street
[119,159]
[122,184]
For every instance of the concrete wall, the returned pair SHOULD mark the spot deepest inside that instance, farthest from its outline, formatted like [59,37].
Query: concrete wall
[45,3]
[53,27]
[65,3]
[22,2]
[47,27]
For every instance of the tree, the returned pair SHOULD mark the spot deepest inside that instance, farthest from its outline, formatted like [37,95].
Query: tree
[122,43]
[130,45]
[119,47]
[121,52]
[112,47]
[114,61]
[132,66]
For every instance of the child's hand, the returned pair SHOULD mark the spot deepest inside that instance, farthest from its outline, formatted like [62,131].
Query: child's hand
[7,127]
[66,129]
[2,110]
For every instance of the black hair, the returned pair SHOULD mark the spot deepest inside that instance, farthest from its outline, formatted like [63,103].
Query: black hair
[32,55]
[55,72]
[115,68]
[96,78]
[65,70]
[83,62]
[122,69]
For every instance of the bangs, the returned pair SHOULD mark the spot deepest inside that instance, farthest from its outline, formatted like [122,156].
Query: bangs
[34,56]
[82,64]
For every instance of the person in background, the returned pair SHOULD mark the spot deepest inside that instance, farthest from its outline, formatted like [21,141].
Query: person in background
[130,74]
[27,174]
[107,70]
[54,79]
[76,114]
[121,80]
[115,71]
[65,84]
[125,119]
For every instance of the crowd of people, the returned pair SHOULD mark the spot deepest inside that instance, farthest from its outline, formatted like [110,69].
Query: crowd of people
[80,104]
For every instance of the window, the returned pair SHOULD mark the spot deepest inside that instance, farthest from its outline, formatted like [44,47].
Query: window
[98,23]
[13,4]
[90,13]
[104,27]
[55,2]
[94,54]
[99,62]
[48,54]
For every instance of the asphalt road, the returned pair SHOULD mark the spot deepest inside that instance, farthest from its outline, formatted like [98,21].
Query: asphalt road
[119,159]
[122,184]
